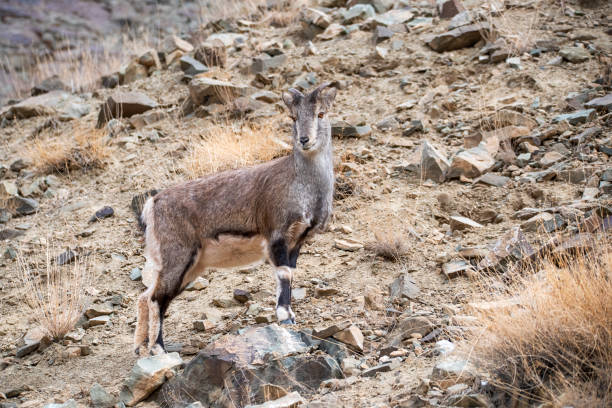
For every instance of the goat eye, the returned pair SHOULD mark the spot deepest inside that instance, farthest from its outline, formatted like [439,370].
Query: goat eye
[321,114]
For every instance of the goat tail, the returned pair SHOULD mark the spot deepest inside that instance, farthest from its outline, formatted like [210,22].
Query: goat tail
[140,205]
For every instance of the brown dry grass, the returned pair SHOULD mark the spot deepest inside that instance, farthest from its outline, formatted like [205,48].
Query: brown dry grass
[79,67]
[84,149]
[56,295]
[388,245]
[281,13]
[556,346]
[230,146]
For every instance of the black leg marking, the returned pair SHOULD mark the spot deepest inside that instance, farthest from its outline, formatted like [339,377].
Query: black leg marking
[284,299]
[278,253]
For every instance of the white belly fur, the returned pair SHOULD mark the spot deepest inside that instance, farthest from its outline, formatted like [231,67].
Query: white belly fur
[228,251]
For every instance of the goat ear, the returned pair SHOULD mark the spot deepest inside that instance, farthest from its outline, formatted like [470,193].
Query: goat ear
[326,97]
[291,97]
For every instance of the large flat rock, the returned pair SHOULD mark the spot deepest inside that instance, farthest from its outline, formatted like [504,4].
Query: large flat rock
[61,103]
[461,37]
[235,370]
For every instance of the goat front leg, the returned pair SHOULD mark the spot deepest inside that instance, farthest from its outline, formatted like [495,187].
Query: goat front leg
[279,255]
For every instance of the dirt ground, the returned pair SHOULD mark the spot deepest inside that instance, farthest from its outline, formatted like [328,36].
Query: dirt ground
[385,200]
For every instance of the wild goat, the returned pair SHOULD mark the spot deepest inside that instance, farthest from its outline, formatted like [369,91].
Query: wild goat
[240,217]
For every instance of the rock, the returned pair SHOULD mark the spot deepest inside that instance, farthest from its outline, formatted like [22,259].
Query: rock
[265,96]
[434,164]
[298,293]
[347,244]
[68,404]
[198,283]
[134,71]
[394,17]
[110,81]
[52,83]
[414,324]
[550,158]
[9,234]
[147,375]
[61,103]
[235,367]
[324,291]
[350,366]
[124,105]
[576,118]
[323,333]
[99,321]
[8,188]
[492,180]
[603,103]
[228,39]
[454,269]
[19,206]
[514,62]
[343,129]
[415,126]
[203,325]
[382,33]
[574,54]
[104,212]
[26,349]
[65,257]
[590,193]
[176,43]
[351,336]
[443,347]
[242,296]
[99,309]
[150,59]
[224,303]
[331,32]
[388,123]
[265,317]
[458,223]
[358,12]
[404,288]
[191,66]
[291,400]
[5,216]
[470,400]
[212,53]
[382,368]
[450,371]
[136,274]
[461,19]
[100,398]
[544,222]
[263,63]
[510,247]
[471,163]
[460,37]
[205,91]
[449,8]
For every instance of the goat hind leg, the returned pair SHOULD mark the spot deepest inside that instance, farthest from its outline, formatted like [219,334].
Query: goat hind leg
[142,323]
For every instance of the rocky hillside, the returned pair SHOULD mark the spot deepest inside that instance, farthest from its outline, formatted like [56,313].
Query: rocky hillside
[473,141]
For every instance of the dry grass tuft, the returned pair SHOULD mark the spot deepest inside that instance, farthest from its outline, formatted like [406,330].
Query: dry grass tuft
[84,149]
[56,294]
[388,245]
[556,345]
[80,66]
[229,147]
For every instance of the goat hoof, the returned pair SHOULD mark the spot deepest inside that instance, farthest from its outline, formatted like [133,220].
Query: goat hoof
[288,321]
